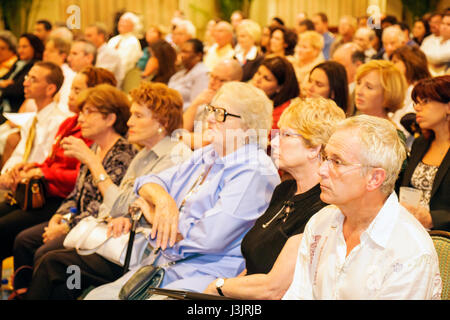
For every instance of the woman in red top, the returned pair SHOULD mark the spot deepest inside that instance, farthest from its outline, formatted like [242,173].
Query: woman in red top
[276,77]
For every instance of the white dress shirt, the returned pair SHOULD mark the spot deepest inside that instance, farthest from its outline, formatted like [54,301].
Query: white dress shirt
[190,84]
[48,122]
[64,91]
[109,59]
[438,54]
[395,259]
[128,48]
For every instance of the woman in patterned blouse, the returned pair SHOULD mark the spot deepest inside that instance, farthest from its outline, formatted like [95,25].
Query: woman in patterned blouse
[104,112]
[429,162]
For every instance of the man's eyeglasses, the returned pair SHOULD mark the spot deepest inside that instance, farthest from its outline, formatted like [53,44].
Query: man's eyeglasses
[335,164]
[220,114]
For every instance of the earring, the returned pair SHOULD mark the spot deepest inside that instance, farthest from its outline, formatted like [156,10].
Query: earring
[160,130]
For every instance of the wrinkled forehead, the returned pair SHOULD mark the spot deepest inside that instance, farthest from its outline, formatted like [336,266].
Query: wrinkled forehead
[345,144]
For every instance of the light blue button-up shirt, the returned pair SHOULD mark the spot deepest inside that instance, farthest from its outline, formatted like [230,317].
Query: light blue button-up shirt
[215,218]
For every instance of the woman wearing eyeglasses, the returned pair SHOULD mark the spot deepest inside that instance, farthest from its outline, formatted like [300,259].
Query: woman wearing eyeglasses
[429,161]
[202,208]
[59,171]
[103,116]
[270,247]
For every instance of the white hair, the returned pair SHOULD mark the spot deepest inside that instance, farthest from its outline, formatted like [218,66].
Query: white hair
[381,146]
[188,26]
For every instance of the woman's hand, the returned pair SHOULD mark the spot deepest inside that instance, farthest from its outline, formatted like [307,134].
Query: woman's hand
[118,226]
[211,289]
[77,148]
[421,213]
[55,229]
[161,212]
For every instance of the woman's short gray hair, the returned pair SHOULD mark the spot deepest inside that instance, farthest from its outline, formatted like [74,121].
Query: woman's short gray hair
[254,107]
[10,39]
[381,146]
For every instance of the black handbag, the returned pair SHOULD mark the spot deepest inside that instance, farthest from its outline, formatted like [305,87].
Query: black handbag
[30,193]
[141,283]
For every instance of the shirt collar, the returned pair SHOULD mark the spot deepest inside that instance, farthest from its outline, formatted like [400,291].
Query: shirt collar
[244,154]
[381,227]
[45,113]
[164,146]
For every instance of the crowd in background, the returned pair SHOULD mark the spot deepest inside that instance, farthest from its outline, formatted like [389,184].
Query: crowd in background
[101,116]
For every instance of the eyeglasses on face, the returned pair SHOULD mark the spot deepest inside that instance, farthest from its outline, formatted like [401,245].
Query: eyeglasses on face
[336,164]
[287,134]
[88,111]
[220,114]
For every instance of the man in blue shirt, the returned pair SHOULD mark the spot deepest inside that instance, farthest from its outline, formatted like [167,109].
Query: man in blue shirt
[320,21]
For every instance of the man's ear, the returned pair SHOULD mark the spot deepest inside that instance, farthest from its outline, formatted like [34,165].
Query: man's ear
[375,178]
[51,90]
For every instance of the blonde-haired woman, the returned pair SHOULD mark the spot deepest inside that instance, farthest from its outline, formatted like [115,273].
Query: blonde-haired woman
[380,89]
[270,247]
[308,53]
[247,50]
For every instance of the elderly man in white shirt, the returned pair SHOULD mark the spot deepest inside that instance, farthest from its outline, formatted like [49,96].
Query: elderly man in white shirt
[125,43]
[437,48]
[365,245]
[107,57]
[38,132]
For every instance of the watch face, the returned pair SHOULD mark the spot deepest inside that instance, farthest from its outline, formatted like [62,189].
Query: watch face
[220,282]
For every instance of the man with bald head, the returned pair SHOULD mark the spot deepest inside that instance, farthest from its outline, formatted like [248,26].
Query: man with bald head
[364,37]
[351,56]
[393,38]
[222,48]
[346,30]
[225,71]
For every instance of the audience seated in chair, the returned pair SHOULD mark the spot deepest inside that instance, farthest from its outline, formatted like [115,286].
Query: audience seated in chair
[270,247]
[365,245]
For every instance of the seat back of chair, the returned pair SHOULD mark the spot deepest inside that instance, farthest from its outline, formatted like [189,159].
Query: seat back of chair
[441,240]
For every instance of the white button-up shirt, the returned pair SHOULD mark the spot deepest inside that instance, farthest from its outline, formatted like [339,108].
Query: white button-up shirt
[109,59]
[128,48]
[395,259]
[48,122]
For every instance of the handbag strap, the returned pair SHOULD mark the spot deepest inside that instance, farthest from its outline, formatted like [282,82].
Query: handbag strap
[171,263]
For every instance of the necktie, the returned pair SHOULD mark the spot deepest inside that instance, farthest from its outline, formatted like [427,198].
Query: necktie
[30,140]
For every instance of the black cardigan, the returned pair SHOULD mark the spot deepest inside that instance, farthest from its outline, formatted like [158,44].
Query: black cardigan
[440,192]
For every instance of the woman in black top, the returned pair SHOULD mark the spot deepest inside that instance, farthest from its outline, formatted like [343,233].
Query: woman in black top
[270,247]
[429,161]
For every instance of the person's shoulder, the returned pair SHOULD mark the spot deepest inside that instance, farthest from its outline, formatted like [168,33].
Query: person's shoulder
[409,236]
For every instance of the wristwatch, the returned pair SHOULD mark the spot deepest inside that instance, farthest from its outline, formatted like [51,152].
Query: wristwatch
[102,177]
[219,284]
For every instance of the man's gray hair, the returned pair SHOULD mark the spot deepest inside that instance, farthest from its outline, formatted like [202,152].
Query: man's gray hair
[188,26]
[381,146]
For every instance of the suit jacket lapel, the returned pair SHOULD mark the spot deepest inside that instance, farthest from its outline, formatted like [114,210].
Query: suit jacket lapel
[443,168]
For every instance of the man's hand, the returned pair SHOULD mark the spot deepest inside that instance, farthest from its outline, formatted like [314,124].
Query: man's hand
[56,228]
